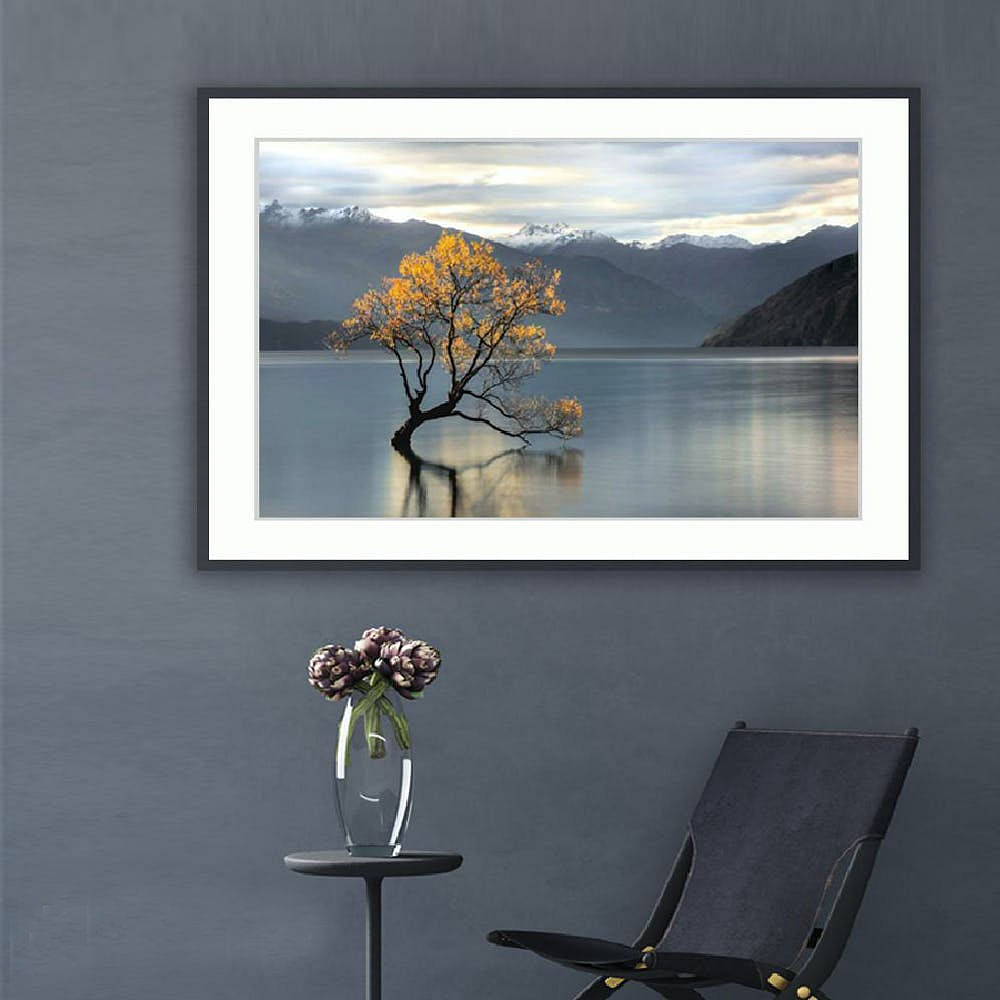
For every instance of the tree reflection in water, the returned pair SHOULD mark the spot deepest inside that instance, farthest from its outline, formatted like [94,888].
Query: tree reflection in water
[517,482]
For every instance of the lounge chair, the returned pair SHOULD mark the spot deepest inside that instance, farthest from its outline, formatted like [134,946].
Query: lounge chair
[770,877]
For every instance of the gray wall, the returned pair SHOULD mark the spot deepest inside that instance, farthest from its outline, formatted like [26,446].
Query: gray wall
[162,750]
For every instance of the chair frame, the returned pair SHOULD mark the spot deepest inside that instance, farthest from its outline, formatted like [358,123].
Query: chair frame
[822,961]
[823,951]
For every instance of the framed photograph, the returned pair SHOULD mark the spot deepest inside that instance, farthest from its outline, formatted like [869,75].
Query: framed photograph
[559,327]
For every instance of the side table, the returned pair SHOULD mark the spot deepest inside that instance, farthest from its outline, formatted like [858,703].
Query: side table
[340,864]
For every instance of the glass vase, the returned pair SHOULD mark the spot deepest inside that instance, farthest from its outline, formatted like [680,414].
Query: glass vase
[373,773]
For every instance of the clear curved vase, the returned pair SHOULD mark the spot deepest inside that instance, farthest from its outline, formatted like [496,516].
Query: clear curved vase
[373,774]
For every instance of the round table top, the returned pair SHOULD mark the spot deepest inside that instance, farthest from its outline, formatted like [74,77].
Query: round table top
[340,863]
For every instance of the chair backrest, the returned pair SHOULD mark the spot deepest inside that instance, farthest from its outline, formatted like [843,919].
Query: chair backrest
[780,814]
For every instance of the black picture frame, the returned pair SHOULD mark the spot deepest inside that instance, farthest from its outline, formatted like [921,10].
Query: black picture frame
[911,94]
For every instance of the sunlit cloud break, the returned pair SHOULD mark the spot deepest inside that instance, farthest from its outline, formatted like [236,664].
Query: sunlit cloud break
[632,190]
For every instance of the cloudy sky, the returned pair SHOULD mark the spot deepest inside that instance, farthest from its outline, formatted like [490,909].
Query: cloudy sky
[631,190]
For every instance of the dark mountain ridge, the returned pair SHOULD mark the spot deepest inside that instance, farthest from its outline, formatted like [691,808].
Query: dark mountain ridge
[820,309]
[725,281]
[617,295]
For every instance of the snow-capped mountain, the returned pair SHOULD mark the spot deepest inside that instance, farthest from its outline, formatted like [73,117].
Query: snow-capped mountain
[549,235]
[354,213]
[727,241]
[276,213]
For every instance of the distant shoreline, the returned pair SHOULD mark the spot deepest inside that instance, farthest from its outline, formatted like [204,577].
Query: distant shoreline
[843,355]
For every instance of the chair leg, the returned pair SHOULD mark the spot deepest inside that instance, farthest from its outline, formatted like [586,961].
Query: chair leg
[597,990]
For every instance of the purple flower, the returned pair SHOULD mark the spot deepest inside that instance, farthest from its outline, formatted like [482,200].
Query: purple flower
[409,665]
[373,639]
[334,670]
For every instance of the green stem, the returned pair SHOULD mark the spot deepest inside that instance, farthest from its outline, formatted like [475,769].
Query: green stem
[399,724]
[370,693]
[372,703]
[373,732]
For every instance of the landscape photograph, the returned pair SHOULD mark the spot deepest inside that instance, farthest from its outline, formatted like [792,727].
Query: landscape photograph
[558,329]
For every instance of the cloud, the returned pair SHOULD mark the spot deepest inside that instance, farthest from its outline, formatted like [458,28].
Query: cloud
[632,189]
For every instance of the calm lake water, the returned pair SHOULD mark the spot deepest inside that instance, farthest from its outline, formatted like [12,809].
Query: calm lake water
[666,434]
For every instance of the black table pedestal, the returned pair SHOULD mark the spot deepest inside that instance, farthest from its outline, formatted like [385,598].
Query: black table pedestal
[373,939]
[340,864]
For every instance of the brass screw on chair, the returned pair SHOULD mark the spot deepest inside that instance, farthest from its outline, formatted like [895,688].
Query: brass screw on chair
[803,993]
[613,982]
[778,981]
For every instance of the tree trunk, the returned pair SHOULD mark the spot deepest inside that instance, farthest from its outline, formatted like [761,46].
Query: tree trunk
[403,436]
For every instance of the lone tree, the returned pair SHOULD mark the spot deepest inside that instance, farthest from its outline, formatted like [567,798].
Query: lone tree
[456,309]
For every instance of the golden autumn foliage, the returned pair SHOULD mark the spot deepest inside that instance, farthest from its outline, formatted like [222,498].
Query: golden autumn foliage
[457,309]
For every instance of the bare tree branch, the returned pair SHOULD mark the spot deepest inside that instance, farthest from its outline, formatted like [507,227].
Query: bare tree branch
[496,427]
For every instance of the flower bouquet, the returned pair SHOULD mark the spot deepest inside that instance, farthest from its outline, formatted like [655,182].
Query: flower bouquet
[383,660]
